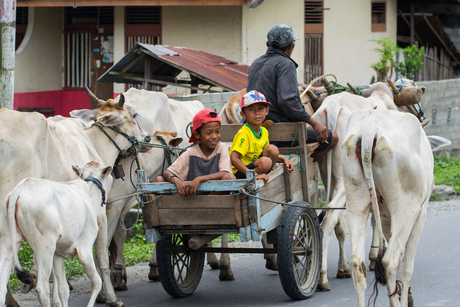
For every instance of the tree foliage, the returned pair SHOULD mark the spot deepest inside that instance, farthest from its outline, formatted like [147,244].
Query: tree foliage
[388,51]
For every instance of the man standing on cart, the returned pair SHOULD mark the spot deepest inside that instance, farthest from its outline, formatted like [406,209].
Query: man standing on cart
[274,75]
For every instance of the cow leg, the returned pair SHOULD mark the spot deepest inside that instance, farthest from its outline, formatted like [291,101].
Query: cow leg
[401,228]
[10,301]
[153,273]
[211,259]
[271,262]
[357,228]
[6,262]
[224,262]
[407,265]
[61,290]
[118,270]
[331,222]
[44,257]
[86,258]
[107,294]
[340,229]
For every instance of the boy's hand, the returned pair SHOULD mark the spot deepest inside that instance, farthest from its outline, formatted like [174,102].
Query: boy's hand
[193,186]
[264,177]
[289,165]
[182,187]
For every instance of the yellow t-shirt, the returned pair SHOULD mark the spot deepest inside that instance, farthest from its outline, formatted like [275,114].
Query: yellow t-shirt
[249,144]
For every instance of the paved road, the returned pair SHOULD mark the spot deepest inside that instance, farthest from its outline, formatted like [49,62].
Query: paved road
[435,281]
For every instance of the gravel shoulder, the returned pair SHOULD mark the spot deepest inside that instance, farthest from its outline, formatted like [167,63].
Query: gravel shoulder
[138,273]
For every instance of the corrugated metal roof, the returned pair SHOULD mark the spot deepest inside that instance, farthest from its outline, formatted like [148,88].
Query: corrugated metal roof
[168,62]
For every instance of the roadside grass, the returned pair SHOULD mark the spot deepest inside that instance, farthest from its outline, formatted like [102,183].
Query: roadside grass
[136,250]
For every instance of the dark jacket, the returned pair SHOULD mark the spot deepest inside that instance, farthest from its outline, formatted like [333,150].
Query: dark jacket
[274,75]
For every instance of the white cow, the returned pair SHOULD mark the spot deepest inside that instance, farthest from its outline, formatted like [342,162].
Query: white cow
[387,168]
[71,211]
[334,113]
[154,112]
[36,147]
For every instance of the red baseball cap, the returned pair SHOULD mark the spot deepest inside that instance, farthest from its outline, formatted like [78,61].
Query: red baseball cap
[203,117]
[253,97]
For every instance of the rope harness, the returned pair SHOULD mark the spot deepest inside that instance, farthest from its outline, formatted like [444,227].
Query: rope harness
[249,189]
[420,112]
[99,185]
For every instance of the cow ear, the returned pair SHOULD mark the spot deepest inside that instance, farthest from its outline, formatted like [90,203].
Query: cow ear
[437,142]
[175,142]
[106,171]
[121,102]
[77,170]
[84,114]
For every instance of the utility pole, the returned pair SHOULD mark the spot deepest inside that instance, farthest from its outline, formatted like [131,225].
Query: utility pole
[7,43]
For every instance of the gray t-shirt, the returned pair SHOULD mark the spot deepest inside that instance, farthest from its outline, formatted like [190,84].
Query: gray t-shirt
[193,163]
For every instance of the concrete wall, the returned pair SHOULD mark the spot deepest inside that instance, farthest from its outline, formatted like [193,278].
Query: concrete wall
[348,50]
[440,96]
[257,22]
[39,67]
[213,29]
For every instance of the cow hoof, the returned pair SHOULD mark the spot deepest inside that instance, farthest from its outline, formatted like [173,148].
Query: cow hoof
[226,275]
[153,273]
[214,264]
[271,264]
[70,285]
[323,286]
[25,288]
[372,265]
[101,298]
[116,277]
[122,287]
[344,273]
[118,303]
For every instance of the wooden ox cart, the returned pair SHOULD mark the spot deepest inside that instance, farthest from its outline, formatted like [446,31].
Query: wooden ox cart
[182,227]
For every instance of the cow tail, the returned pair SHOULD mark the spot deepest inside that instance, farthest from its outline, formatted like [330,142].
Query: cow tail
[369,137]
[12,203]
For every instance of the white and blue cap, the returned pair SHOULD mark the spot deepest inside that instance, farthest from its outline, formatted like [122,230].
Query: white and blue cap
[281,36]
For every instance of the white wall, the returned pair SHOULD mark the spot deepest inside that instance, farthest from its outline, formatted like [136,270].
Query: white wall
[39,67]
[257,22]
[348,50]
[213,29]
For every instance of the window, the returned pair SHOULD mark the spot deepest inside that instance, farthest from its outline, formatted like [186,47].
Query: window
[378,16]
[143,25]
[313,39]
[22,16]
[86,30]
[314,16]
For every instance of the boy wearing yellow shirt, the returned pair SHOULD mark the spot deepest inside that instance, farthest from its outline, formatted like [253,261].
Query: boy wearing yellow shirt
[251,148]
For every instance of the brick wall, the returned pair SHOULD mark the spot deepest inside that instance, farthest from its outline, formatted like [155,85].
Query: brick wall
[441,103]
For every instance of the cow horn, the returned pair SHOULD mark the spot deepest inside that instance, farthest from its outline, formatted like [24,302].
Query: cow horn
[121,102]
[393,87]
[93,97]
[353,89]
[325,82]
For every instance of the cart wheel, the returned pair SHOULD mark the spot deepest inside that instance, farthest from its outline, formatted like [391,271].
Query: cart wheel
[299,251]
[179,267]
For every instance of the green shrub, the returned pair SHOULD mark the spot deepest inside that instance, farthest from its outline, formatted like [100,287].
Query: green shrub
[447,171]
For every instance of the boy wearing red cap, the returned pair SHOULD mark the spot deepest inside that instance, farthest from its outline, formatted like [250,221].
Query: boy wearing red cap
[251,148]
[207,160]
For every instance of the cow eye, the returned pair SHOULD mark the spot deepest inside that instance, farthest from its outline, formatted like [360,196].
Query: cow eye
[135,114]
